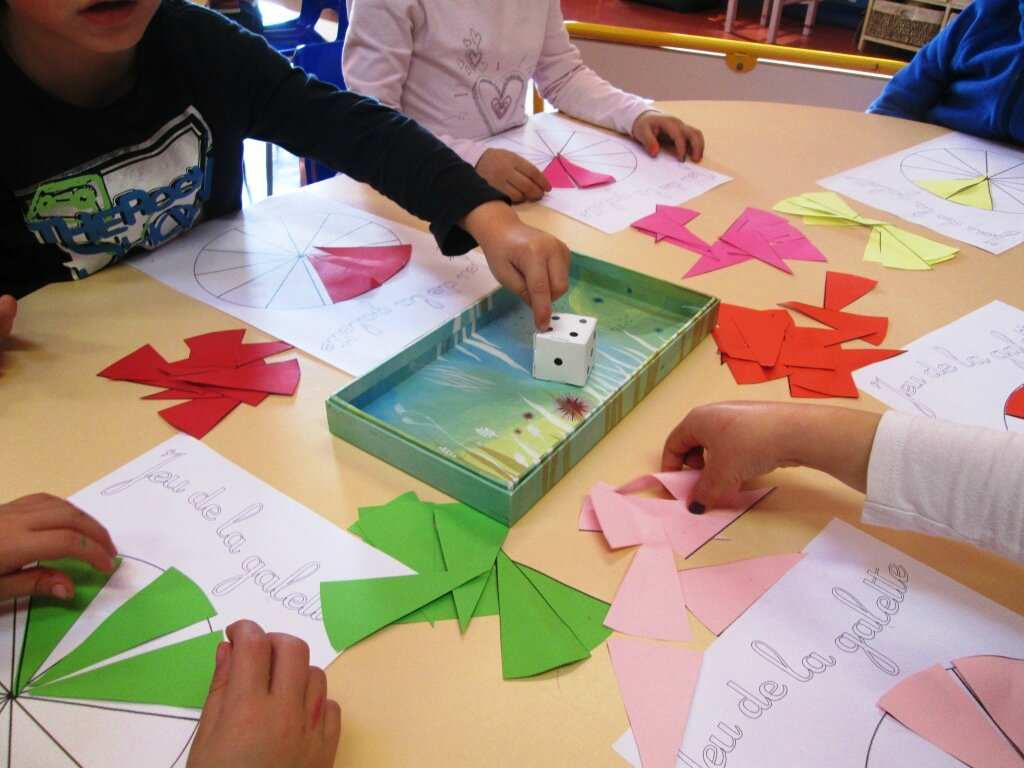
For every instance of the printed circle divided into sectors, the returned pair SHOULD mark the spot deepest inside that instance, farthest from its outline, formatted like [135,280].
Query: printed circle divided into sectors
[976,178]
[593,151]
[64,670]
[264,263]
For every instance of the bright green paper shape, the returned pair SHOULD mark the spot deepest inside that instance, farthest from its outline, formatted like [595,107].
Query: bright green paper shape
[404,529]
[50,619]
[487,605]
[533,638]
[176,675]
[170,602]
[583,614]
[469,540]
[355,609]
[974,192]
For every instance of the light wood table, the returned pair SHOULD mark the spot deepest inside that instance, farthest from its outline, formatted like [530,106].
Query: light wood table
[421,696]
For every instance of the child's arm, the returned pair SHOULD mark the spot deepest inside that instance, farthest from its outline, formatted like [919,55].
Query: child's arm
[532,264]
[8,309]
[44,527]
[736,441]
[267,708]
[564,80]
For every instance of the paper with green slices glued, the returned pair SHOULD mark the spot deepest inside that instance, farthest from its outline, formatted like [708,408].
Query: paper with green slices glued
[170,602]
[176,675]
[52,618]
[544,623]
[887,245]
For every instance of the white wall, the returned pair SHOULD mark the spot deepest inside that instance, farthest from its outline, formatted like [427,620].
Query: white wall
[664,73]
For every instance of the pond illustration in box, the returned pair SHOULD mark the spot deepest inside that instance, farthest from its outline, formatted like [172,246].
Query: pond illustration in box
[479,405]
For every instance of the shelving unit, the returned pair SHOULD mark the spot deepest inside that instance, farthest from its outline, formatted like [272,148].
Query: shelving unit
[907,25]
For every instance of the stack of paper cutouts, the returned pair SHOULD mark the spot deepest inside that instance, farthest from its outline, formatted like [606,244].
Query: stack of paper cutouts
[123,656]
[763,345]
[755,234]
[565,174]
[973,711]
[462,573]
[888,245]
[347,272]
[219,374]
[657,681]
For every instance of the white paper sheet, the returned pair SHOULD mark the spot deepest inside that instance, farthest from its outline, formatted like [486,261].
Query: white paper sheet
[963,372]
[907,184]
[641,182]
[254,552]
[254,266]
[794,681]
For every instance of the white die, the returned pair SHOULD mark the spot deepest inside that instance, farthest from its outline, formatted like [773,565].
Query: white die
[565,352]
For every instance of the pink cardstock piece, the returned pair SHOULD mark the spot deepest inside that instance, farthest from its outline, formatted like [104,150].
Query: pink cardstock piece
[588,516]
[688,533]
[618,518]
[935,706]
[583,177]
[997,682]
[352,271]
[668,221]
[556,174]
[719,594]
[649,601]
[657,684]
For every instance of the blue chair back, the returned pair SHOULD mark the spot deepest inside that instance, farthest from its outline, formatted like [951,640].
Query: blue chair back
[322,61]
[289,35]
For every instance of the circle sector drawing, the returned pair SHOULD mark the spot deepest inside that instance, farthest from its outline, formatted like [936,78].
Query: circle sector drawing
[976,178]
[586,152]
[129,658]
[964,704]
[1013,411]
[271,262]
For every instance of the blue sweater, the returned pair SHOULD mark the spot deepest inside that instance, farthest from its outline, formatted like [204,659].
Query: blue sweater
[970,77]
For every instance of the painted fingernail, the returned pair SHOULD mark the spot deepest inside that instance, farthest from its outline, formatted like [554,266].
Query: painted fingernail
[697,508]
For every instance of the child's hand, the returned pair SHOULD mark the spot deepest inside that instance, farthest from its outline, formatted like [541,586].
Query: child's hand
[512,175]
[267,708]
[653,128]
[43,527]
[532,264]
[8,309]
[733,442]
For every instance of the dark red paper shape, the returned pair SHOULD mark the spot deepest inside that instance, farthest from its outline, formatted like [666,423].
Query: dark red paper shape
[350,272]
[197,417]
[276,378]
[1015,404]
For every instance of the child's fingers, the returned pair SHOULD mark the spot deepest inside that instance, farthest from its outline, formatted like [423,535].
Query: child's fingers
[55,545]
[41,512]
[251,656]
[289,667]
[36,581]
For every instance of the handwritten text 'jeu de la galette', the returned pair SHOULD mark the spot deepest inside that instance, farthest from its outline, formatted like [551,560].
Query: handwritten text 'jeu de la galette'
[885,593]
[229,529]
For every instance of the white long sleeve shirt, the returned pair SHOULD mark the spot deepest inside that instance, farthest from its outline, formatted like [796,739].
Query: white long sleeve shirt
[461,67]
[948,480]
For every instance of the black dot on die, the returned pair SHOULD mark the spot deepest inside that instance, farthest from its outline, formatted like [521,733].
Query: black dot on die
[583,320]
[555,317]
[573,333]
[558,361]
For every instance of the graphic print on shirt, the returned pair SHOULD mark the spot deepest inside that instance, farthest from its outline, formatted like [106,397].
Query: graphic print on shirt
[495,96]
[136,197]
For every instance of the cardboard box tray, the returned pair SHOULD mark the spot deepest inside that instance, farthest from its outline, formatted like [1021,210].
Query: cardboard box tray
[460,410]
